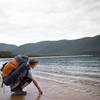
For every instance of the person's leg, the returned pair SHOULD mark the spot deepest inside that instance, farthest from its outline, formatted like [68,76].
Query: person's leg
[26,81]
[14,75]
[15,86]
[19,89]
[21,84]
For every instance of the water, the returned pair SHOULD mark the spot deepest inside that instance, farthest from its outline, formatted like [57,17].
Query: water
[83,68]
[64,69]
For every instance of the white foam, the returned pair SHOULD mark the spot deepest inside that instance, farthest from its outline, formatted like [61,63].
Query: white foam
[64,78]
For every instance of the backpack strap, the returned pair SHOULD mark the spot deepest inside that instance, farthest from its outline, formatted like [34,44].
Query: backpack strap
[1,74]
[2,82]
[3,66]
[27,70]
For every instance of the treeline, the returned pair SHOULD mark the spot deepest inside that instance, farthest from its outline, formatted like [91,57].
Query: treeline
[6,54]
[9,54]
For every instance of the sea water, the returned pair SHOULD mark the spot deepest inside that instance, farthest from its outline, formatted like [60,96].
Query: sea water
[64,69]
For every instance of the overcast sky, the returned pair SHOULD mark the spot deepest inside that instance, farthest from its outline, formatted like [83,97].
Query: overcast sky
[29,21]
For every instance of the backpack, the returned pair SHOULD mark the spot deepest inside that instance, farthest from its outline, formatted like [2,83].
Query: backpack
[10,66]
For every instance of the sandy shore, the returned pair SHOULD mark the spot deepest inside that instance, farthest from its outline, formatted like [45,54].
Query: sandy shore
[51,91]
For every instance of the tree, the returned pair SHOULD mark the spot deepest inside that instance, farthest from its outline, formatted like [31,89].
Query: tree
[6,54]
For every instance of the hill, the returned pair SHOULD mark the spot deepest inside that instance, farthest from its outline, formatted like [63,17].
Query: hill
[7,47]
[88,45]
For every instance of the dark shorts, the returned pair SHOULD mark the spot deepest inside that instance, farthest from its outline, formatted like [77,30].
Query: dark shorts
[20,83]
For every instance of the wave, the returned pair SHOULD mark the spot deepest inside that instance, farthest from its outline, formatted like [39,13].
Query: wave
[71,73]
[72,56]
[64,78]
[94,61]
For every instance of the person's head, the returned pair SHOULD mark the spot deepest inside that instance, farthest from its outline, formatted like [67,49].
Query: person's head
[33,62]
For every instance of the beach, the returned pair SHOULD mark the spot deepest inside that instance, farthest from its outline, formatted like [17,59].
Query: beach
[53,90]
[62,78]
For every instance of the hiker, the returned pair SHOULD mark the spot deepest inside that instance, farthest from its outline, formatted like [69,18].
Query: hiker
[17,74]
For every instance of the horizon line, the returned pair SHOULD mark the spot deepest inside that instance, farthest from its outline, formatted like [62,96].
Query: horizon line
[48,40]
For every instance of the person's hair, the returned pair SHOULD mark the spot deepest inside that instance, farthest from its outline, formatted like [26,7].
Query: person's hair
[33,61]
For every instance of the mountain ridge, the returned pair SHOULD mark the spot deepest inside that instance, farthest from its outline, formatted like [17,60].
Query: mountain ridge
[87,45]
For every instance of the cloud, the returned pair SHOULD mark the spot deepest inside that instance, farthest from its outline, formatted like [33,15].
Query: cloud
[37,20]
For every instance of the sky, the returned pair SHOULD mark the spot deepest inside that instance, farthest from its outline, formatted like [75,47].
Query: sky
[30,21]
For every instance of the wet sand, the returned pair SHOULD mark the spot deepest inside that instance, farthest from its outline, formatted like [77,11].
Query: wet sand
[51,91]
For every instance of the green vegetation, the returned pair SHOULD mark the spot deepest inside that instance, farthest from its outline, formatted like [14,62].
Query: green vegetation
[6,54]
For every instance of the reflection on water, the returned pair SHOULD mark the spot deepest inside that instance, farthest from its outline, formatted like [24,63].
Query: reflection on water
[21,97]
[38,97]
[14,97]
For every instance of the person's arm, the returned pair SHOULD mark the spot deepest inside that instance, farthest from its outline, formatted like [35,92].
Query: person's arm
[36,84]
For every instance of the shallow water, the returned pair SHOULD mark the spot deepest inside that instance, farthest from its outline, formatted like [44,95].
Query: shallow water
[81,68]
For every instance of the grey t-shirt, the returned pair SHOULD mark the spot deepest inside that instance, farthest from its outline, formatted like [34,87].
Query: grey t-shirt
[29,73]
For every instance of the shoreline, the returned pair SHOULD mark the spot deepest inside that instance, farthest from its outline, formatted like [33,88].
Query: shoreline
[53,91]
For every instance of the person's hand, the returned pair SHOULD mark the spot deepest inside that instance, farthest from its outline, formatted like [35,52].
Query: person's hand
[40,91]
